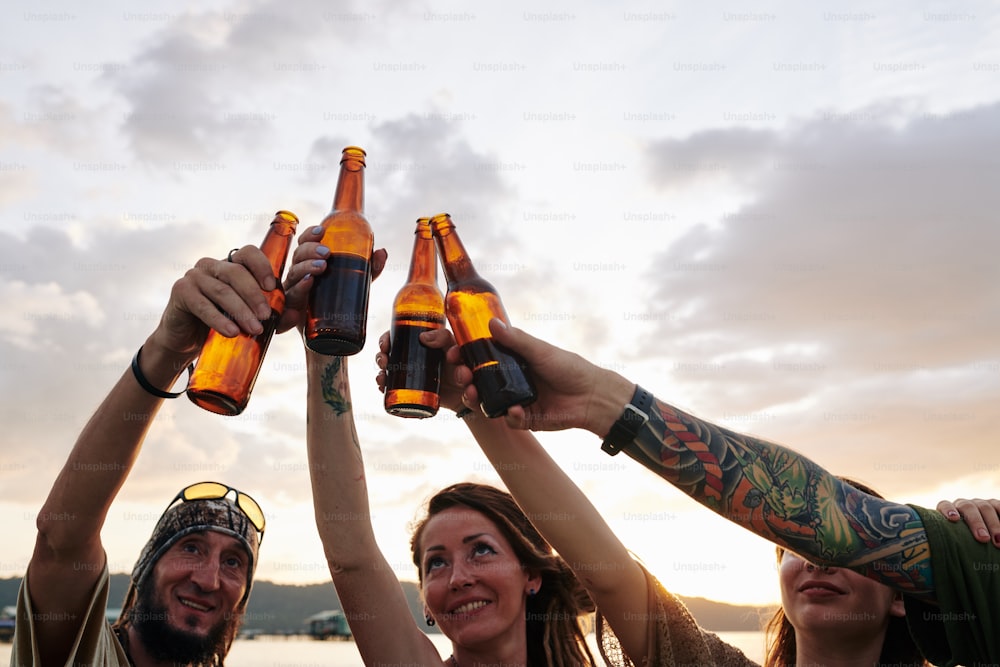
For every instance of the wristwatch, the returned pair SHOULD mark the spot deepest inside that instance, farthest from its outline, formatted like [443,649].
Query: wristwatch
[634,417]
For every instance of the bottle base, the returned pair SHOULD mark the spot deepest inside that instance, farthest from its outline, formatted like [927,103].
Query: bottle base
[411,411]
[217,403]
[334,347]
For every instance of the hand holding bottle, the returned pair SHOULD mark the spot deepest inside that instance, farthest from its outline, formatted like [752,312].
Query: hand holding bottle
[450,391]
[414,370]
[471,302]
[337,309]
[228,366]
[572,392]
[308,262]
[199,300]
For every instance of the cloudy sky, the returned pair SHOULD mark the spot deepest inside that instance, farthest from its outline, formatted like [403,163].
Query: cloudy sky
[781,217]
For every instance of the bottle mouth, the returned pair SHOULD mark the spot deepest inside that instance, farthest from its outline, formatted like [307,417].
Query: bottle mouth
[441,223]
[423,228]
[355,153]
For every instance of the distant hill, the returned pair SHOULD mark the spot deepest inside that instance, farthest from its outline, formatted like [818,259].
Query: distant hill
[279,608]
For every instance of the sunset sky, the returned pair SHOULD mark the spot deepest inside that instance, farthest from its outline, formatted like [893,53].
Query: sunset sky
[781,217]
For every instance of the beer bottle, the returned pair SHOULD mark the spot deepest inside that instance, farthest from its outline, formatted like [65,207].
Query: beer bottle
[337,308]
[413,375]
[500,376]
[227,367]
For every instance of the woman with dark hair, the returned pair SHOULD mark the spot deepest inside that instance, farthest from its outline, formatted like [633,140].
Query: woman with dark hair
[868,617]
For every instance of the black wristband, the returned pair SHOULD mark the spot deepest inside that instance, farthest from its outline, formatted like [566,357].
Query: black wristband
[633,418]
[144,383]
[463,413]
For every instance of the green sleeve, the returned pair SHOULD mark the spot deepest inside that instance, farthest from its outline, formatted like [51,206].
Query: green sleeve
[964,627]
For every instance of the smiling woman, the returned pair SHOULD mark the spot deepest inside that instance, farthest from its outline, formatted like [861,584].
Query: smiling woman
[483,567]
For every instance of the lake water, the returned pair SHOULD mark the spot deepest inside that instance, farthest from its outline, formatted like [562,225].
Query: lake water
[268,652]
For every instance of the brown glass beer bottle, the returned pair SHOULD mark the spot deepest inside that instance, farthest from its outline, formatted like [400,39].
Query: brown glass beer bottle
[227,367]
[337,308]
[501,377]
[413,375]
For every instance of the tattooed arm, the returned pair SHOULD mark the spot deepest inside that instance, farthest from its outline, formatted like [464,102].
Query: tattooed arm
[766,488]
[370,594]
[372,599]
[786,498]
[369,591]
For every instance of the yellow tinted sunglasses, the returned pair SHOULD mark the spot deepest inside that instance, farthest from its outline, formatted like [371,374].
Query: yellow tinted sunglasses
[217,491]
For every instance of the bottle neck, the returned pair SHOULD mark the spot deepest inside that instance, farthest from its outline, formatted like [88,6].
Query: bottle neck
[278,240]
[423,265]
[350,194]
[457,265]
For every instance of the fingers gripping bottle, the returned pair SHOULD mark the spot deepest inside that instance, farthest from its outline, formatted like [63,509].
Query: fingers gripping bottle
[227,368]
[337,309]
[500,376]
[413,375]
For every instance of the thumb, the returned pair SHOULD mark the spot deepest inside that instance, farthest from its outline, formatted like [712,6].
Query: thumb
[532,350]
[508,336]
[517,418]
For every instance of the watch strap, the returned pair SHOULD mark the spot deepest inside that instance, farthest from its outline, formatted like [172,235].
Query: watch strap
[633,418]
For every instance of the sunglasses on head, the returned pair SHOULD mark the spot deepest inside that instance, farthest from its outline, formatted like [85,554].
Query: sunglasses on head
[217,491]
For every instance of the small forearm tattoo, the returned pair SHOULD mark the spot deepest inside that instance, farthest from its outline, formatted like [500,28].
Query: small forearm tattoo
[333,385]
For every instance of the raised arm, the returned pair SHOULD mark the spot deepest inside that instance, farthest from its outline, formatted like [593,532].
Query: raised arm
[369,591]
[68,557]
[559,510]
[769,489]
[372,598]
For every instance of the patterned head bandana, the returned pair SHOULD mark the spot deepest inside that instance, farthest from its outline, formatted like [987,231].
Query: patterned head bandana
[193,516]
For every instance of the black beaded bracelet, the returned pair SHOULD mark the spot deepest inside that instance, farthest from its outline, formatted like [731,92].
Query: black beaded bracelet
[144,383]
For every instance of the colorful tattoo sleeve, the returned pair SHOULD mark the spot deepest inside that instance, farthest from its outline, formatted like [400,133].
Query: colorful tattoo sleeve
[787,499]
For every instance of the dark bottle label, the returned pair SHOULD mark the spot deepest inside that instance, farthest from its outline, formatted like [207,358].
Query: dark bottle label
[413,373]
[501,377]
[338,306]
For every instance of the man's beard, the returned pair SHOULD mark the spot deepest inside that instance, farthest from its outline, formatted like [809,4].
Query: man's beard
[165,642]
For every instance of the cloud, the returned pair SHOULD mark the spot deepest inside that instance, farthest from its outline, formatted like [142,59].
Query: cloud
[862,268]
[74,315]
[213,83]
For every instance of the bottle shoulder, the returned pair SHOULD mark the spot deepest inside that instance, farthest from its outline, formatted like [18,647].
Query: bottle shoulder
[419,296]
[471,284]
[347,219]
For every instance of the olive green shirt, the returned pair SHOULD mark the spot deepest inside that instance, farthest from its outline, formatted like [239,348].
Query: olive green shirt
[95,644]
[964,627]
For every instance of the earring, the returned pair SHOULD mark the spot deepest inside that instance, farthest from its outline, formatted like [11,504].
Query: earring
[430,621]
[531,592]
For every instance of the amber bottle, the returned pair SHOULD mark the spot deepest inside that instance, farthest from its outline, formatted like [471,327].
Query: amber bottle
[337,308]
[501,377]
[227,367]
[413,375]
